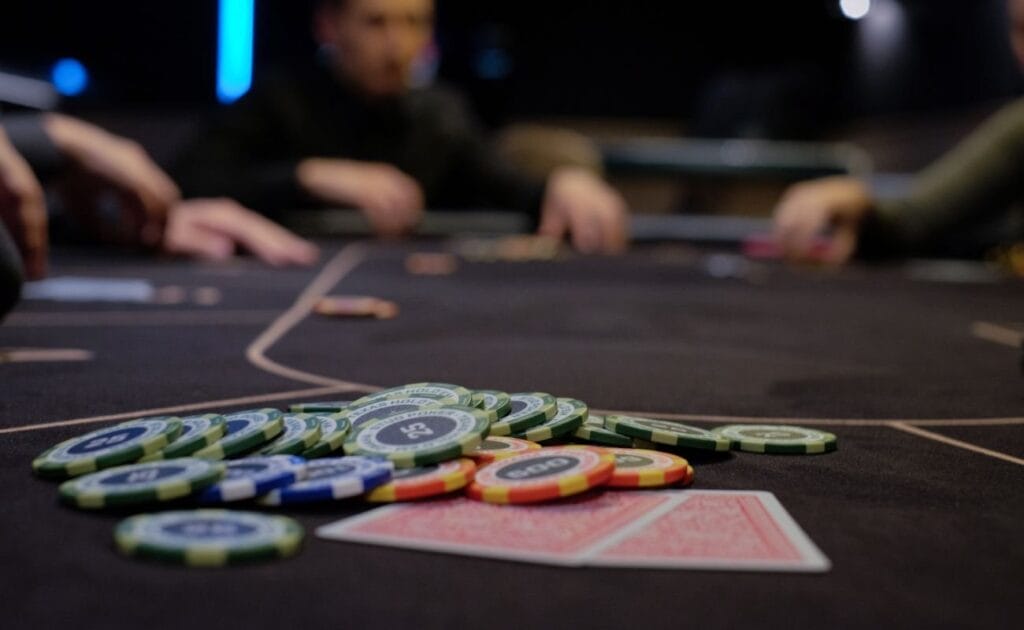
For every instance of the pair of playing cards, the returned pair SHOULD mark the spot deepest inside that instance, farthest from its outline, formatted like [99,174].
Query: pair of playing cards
[667,529]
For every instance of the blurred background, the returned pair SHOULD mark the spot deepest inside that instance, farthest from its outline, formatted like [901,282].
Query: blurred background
[697,107]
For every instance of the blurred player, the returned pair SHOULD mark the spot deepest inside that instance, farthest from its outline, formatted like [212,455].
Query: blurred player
[977,181]
[353,133]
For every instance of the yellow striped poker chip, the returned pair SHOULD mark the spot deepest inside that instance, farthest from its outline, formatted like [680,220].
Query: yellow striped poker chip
[643,468]
[408,484]
[543,475]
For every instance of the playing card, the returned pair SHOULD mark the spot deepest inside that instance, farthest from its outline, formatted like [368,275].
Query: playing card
[668,529]
[557,533]
[741,530]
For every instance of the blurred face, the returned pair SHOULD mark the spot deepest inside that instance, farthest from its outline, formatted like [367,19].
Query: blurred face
[1017,26]
[377,41]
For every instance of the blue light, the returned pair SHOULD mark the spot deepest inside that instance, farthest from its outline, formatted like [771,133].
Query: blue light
[69,76]
[234,49]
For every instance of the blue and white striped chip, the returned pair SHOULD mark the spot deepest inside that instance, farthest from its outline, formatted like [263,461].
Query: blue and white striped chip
[251,477]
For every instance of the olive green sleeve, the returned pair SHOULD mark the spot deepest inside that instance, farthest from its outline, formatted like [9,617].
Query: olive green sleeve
[979,179]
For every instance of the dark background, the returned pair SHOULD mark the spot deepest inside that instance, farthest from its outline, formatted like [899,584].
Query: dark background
[801,64]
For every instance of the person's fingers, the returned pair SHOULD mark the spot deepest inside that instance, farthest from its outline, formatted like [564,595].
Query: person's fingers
[620,225]
[263,238]
[844,244]
[585,228]
[612,218]
[33,220]
[381,211]
[803,232]
[798,221]
[198,242]
[217,225]
[23,209]
[553,222]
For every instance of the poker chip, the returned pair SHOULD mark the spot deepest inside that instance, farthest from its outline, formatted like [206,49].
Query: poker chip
[252,476]
[355,306]
[332,478]
[301,431]
[664,432]
[498,447]
[492,400]
[569,416]
[592,431]
[245,431]
[641,468]
[443,393]
[528,410]
[687,476]
[424,481]
[542,475]
[107,447]
[333,429]
[424,436]
[208,538]
[357,416]
[779,439]
[328,406]
[134,484]
[196,432]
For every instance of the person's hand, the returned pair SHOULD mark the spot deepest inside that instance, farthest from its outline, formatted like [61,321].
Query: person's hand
[579,203]
[391,200]
[23,208]
[210,229]
[839,204]
[114,162]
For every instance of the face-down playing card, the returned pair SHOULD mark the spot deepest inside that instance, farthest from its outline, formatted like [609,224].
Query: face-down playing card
[688,529]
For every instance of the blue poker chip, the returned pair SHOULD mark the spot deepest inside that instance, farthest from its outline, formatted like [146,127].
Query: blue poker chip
[333,478]
[253,476]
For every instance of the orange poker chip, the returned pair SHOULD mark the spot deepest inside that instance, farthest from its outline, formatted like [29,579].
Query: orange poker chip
[643,468]
[431,264]
[500,447]
[425,481]
[355,306]
[542,475]
[688,477]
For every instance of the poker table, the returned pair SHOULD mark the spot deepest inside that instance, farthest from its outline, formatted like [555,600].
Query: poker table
[920,510]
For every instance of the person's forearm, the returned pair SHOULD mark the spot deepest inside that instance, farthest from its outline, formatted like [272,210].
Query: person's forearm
[978,179]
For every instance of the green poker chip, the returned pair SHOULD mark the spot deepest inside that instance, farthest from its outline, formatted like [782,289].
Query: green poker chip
[777,439]
[569,417]
[528,410]
[333,430]
[107,447]
[196,432]
[385,408]
[245,431]
[208,538]
[421,437]
[492,400]
[329,406]
[443,393]
[135,484]
[592,431]
[669,433]
[301,431]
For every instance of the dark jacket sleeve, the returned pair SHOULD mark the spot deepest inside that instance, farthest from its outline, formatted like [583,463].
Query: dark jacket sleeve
[476,177]
[30,139]
[243,155]
[976,181]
